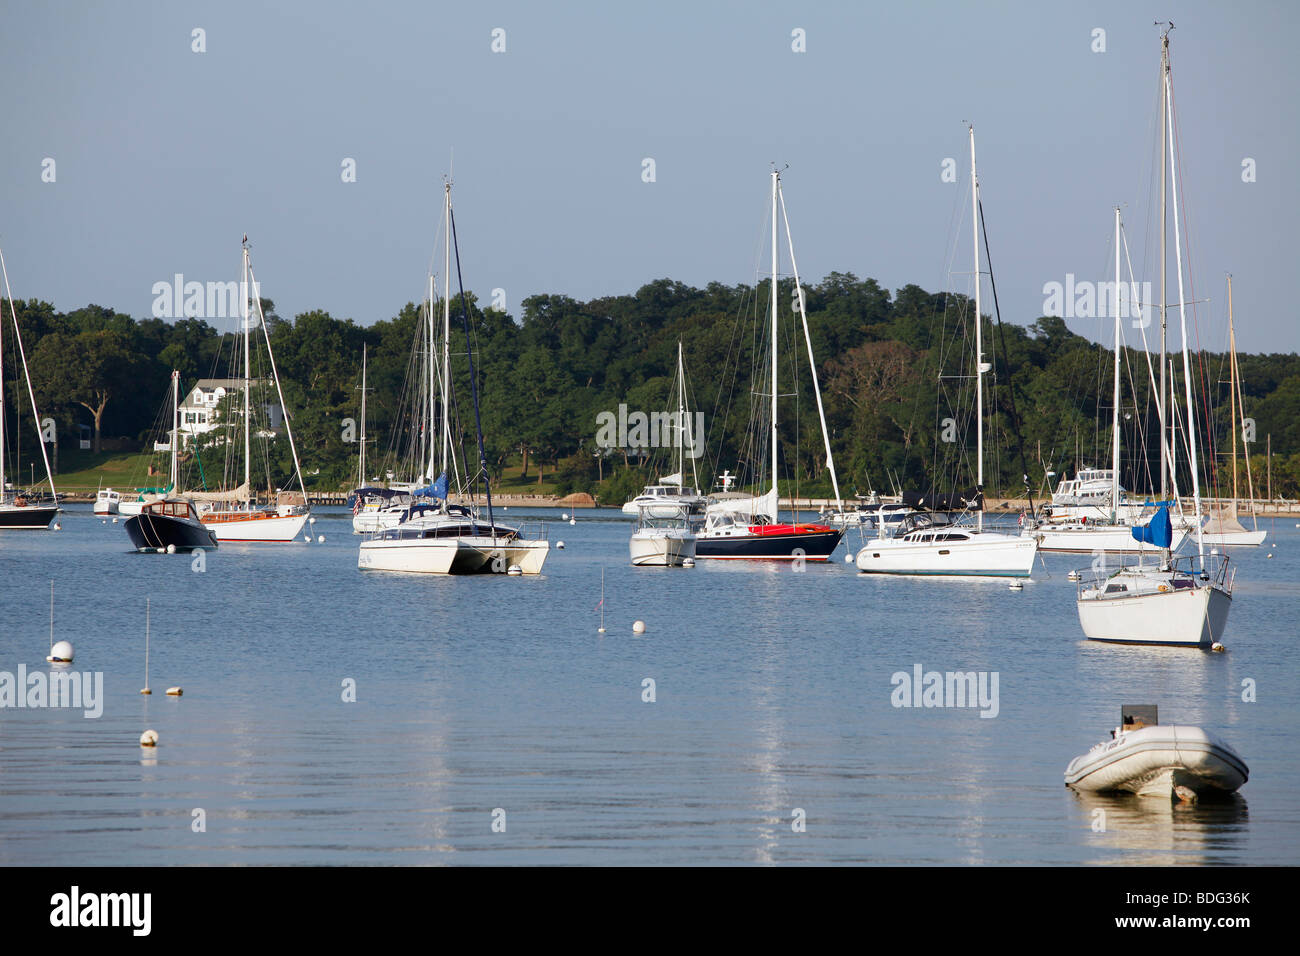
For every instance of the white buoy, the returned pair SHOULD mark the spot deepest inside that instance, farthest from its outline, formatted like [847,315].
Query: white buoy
[1017,586]
[311,520]
[174,692]
[559,545]
[320,539]
[114,521]
[1270,555]
[1217,647]
[57,526]
[848,558]
[307,538]
[564,516]
[145,690]
[638,627]
[514,570]
[105,521]
[149,738]
[688,563]
[171,549]
[61,653]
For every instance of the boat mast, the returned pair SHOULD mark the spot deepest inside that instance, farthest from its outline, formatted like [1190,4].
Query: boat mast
[979,342]
[248,456]
[1182,317]
[776,499]
[681,422]
[361,462]
[1232,392]
[1114,440]
[176,420]
[446,323]
[1164,236]
[1241,409]
[31,395]
[812,364]
[431,372]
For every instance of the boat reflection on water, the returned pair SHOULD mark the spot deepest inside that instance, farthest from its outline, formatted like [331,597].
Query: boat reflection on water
[1130,830]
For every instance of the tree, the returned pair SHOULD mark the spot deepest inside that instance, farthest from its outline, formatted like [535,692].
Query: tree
[88,369]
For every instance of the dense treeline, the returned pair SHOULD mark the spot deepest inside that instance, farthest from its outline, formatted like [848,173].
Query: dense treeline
[895,372]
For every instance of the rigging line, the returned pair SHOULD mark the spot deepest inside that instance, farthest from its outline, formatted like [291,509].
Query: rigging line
[1011,395]
[473,381]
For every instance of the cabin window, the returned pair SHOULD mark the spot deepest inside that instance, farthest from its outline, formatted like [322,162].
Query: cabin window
[1112,588]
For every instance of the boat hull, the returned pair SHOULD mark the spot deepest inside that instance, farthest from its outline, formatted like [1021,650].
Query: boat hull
[151,532]
[988,554]
[1187,617]
[790,546]
[661,550]
[27,517]
[277,529]
[1159,761]
[1232,539]
[452,555]
[1091,540]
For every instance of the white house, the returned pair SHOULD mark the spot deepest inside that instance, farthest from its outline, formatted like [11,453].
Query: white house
[198,410]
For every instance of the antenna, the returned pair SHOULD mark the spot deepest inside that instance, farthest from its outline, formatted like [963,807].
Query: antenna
[145,689]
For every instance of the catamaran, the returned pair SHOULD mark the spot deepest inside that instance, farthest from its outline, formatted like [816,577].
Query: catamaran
[929,543]
[749,526]
[433,536]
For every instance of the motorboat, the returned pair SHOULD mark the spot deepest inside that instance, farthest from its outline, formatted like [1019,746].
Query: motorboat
[663,537]
[169,524]
[440,538]
[1153,760]
[931,543]
[106,502]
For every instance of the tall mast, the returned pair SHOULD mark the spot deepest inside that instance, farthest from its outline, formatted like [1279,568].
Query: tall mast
[446,323]
[361,463]
[432,374]
[1182,317]
[1232,392]
[1164,230]
[681,420]
[979,341]
[1114,438]
[176,420]
[248,456]
[31,395]
[812,362]
[776,178]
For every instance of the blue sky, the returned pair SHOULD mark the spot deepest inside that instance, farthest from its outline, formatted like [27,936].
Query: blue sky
[165,157]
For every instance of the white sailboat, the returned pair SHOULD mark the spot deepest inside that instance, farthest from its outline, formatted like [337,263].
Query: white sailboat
[433,536]
[233,515]
[672,489]
[928,543]
[21,510]
[1182,601]
[1112,533]
[748,527]
[1225,527]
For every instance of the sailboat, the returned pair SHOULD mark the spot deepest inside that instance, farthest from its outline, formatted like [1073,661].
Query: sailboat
[373,506]
[170,523]
[1114,532]
[672,489]
[664,535]
[1180,601]
[234,515]
[21,510]
[749,526]
[1225,527]
[434,536]
[929,542]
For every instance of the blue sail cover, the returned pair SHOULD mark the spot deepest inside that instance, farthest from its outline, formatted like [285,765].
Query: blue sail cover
[436,490]
[1158,531]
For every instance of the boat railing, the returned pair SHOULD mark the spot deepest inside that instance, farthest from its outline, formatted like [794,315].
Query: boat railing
[1185,571]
